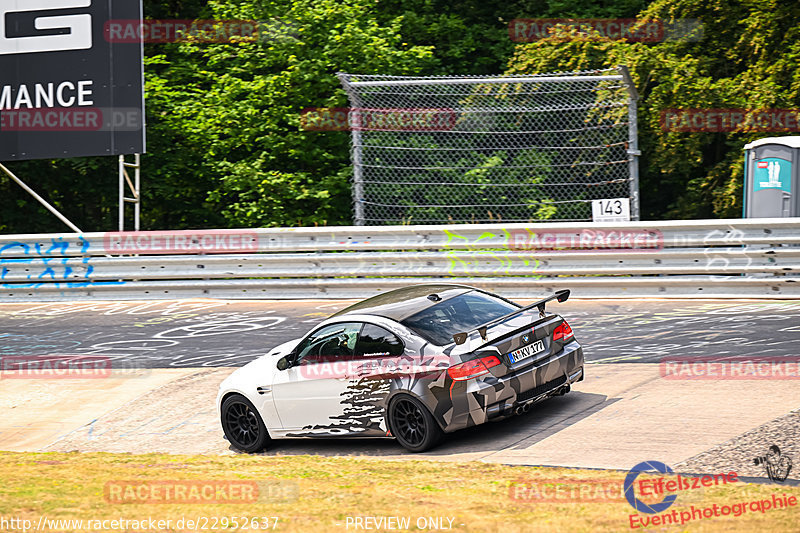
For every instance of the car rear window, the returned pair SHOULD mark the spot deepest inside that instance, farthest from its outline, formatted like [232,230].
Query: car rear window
[438,323]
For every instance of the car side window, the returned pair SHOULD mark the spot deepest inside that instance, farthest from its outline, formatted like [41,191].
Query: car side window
[376,341]
[329,342]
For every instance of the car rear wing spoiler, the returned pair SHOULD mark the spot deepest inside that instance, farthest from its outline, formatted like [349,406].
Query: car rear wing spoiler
[561,296]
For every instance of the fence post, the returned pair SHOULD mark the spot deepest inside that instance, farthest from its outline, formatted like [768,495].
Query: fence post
[633,141]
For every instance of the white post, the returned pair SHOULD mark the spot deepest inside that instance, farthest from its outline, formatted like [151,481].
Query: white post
[137,193]
[122,193]
[41,200]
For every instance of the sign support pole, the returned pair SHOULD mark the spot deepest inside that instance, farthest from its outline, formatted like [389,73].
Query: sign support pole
[135,187]
[41,200]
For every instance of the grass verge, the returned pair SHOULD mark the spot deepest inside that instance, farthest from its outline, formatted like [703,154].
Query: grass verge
[313,493]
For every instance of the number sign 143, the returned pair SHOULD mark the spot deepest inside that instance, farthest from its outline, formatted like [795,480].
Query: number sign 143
[611,210]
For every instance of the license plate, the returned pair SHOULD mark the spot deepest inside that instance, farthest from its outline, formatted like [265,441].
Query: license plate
[526,351]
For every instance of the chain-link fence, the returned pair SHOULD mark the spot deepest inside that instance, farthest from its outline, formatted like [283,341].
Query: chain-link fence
[485,149]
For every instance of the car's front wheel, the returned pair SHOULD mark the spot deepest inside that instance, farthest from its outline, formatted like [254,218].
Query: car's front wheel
[413,425]
[243,425]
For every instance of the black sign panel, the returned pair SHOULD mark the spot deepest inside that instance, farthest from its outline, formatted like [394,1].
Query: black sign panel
[66,90]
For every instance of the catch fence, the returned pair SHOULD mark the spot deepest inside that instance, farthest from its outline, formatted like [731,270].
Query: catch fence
[466,149]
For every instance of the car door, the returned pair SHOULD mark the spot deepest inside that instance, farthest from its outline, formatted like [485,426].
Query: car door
[308,395]
[377,360]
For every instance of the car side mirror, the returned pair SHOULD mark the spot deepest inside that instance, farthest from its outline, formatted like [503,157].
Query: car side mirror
[283,363]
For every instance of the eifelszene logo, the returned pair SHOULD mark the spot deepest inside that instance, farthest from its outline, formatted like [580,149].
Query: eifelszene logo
[630,495]
[79,26]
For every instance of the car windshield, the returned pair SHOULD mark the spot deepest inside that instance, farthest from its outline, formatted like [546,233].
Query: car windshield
[438,323]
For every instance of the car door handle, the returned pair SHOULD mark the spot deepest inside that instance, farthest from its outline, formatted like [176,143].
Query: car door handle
[264,390]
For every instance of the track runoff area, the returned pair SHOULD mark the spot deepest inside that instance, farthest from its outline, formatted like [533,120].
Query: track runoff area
[689,386]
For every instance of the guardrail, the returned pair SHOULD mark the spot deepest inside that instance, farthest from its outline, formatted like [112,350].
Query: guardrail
[754,258]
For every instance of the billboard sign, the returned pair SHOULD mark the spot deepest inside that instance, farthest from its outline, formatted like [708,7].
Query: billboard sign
[65,89]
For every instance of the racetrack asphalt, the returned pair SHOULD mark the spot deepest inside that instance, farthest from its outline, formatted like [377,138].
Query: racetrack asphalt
[213,333]
[623,413]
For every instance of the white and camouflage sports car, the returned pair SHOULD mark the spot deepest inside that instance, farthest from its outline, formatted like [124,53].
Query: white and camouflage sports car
[413,364]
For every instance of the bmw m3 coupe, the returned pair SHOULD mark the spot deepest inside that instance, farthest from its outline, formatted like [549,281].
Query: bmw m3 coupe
[412,364]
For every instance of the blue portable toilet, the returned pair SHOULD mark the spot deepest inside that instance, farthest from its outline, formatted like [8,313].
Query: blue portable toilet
[772,177]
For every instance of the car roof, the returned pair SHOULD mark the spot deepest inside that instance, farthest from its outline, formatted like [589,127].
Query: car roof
[400,304]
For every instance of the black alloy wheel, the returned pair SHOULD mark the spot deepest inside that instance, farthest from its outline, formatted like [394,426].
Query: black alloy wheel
[242,425]
[413,425]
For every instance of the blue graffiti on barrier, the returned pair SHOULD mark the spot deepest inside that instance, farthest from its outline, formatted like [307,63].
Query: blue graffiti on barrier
[49,265]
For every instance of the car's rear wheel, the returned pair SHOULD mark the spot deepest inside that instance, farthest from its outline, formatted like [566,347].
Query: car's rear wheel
[413,425]
[243,425]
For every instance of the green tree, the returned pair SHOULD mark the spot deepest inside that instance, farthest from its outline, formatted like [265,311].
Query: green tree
[471,36]
[238,107]
[747,58]
[85,189]
[224,142]
[224,136]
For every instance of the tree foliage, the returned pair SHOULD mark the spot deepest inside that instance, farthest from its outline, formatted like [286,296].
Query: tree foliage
[225,147]
[747,58]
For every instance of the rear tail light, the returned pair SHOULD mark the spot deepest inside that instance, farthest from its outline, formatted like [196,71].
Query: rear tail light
[472,369]
[562,332]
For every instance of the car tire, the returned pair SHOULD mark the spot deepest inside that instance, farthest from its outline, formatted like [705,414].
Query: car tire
[413,425]
[243,425]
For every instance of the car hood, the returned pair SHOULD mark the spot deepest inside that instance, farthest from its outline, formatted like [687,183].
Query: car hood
[260,367]
[283,349]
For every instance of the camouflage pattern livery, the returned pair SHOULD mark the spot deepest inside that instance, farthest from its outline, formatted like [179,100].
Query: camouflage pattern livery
[547,367]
